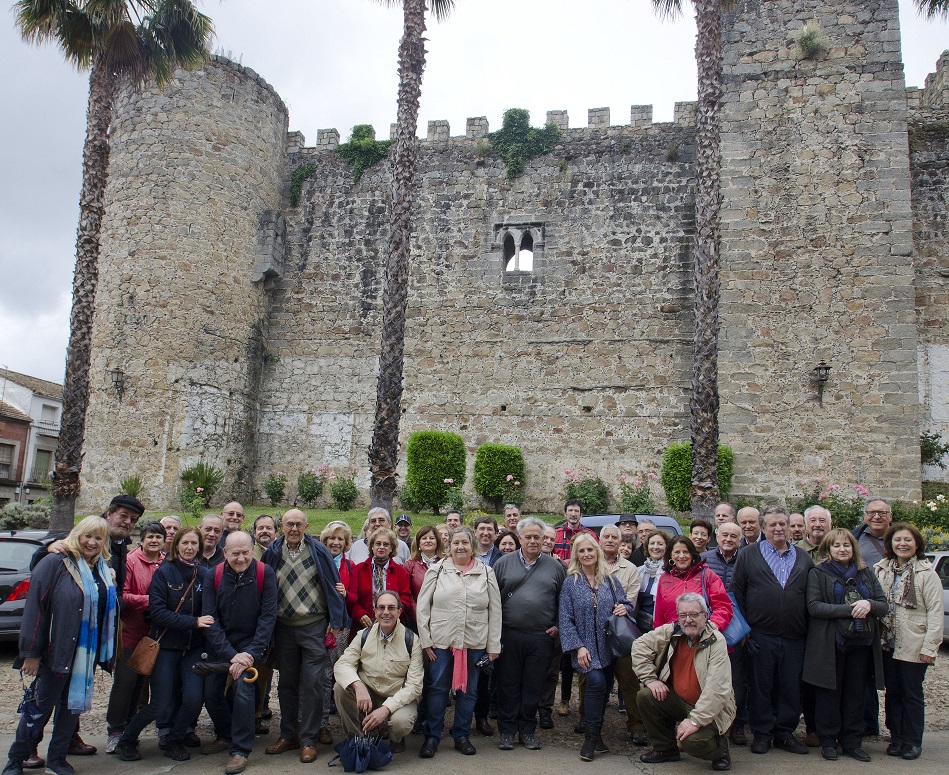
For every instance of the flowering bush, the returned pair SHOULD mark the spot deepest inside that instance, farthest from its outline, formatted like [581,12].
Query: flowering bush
[844,504]
[496,468]
[275,486]
[343,490]
[933,514]
[204,475]
[192,499]
[310,484]
[586,486]
[636,494]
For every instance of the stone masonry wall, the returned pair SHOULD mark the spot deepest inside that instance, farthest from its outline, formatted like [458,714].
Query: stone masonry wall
[817,251]
[193,168]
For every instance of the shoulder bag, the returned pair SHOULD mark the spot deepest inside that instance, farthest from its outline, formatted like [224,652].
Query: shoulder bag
[142,659]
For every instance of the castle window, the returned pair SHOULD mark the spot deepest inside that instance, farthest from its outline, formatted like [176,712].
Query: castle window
[521,248]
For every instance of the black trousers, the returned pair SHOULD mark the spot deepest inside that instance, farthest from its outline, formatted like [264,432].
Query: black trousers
[904,703]
[774,698]
[521,672]
[838,712]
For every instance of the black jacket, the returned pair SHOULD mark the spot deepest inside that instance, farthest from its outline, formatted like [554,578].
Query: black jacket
[178,631]
[769,609]
[243,620]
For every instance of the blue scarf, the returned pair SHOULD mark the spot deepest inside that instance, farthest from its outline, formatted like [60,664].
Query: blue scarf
[94,644]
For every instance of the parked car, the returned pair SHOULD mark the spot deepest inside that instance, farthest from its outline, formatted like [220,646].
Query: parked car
[16,551]
[664,523]
[940,561]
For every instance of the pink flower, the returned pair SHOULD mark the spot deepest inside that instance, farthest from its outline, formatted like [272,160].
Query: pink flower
[449,481]
[517,484]
[833,487]
[200,489]
[861,490]
[818,478]
[637,484]
[510,477]
[822,496]
[651,475]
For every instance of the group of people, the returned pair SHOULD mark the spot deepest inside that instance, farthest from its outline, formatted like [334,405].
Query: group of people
[736,623]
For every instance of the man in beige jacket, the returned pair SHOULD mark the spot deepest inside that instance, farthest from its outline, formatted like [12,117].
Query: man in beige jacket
[380,675]
[687,696]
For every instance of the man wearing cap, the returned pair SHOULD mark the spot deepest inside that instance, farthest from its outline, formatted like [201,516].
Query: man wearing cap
[403,528]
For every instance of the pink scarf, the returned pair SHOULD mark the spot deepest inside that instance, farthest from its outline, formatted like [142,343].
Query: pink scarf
[459,673]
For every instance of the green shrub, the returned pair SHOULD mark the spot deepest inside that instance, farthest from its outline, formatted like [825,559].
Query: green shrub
[363,150]
[588,488]
[275,486]
[676,474]
[202,478]
[131,485]
[343,490]
[845,505]
[26,516]
[408,500]
[932,450]
[517,142]
[496,469]
[432,459]
[310,484]
[636,495]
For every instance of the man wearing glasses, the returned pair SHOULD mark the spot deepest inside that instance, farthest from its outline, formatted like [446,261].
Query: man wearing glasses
[687,700]
[877,518]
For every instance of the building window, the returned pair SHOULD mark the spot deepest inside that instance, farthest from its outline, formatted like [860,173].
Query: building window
[7,451]
[521,246]
[49,414]
[42,465]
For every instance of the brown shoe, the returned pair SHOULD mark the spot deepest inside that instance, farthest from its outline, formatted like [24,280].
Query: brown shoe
[325,736]
[308,754]
[35,762]
[811,740]
[397,746]
[237,763]
[78,748]
[282,746]
[737,735]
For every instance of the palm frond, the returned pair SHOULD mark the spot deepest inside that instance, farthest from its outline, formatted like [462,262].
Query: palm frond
[37,19]
[667,9]
[933,8]
[76,38]
[441,9]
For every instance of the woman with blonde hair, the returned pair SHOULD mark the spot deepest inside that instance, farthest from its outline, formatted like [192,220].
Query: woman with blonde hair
[588,598]
[62,649]
[845,603]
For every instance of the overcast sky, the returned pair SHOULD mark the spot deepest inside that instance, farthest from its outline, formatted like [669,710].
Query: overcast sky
[334,64]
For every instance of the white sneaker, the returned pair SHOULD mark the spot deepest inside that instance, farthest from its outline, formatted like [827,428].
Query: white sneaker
[113,742]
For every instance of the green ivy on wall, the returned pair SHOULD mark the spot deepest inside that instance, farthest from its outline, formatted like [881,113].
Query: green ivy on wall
[363,150]
[517,142]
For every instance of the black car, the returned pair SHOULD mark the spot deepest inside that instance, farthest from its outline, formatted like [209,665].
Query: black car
[16,551]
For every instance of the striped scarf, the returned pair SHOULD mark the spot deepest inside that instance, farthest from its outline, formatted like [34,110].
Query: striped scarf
[94,644]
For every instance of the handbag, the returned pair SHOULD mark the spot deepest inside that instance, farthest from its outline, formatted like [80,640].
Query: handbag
[31,711]
[362,752]
[737,628]
[142,659]
[621,631]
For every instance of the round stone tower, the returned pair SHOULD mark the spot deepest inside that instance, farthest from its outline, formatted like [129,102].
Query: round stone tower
[196,181]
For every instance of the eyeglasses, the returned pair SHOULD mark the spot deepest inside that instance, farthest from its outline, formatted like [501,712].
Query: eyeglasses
[699,615]
[878,513]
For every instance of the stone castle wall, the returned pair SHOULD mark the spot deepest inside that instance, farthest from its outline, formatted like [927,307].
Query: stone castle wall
[249,329]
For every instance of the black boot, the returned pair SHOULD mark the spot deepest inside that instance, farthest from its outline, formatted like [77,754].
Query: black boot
[598,745]
[588,749]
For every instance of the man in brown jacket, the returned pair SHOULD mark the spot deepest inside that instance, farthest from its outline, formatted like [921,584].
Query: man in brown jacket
[687,695]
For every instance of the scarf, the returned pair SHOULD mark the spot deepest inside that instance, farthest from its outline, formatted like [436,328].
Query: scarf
[459,673]
[651,567]
[93,644]
[378,577]
[900,589]
[843,576]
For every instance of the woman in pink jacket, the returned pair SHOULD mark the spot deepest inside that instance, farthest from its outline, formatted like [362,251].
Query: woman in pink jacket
[127,685]
[685,571]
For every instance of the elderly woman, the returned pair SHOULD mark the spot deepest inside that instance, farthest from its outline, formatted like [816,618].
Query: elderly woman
[427,550]
[127,685]
[912,633]
[588,598]
[69,627]
[507,543]
[177,623]
[845,603]
[656,543]
[459,621]
[378,572]
[686,571]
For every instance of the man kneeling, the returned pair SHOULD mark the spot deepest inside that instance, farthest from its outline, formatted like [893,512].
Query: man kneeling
[687,695]
[380,675]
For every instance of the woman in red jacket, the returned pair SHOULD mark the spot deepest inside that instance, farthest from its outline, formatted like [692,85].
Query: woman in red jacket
[378,573]
[685,571]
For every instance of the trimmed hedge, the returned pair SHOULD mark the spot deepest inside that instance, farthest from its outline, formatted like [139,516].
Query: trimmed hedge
[494,463]
[676,474]
[431,458]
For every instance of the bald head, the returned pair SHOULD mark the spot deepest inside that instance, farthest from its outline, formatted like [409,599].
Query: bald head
[293,524]
[239,550]
[233,516]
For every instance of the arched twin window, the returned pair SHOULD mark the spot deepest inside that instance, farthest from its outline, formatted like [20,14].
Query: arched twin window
[519,257]
[521,248]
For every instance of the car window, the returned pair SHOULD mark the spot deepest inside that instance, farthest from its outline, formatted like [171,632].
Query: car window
[16,555]
[942,568]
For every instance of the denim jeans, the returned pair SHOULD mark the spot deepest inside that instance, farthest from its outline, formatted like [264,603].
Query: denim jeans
[595,696]
[171,679]
[52,692]
[439,685]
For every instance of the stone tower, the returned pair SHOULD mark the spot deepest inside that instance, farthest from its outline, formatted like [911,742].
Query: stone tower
[197,171]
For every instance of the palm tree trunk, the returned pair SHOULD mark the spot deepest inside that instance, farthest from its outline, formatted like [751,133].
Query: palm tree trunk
[704,401]
[384,451]
[95,170]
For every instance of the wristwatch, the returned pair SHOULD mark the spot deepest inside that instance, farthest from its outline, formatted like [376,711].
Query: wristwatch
[694,723]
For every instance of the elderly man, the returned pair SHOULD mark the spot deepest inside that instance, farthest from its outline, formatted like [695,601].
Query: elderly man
[627,524]
[264,531]
[817,521]
[796,527]
[686,701]
[769,584]
[721,560]
[307,599]
[548,541]
[643,529]
[512,515]
[877,518]
[380,675]
[724,512]
[749,520]
[211,527]
[376,518]
[172,525]
[529,583]
[232,515]
[241,595]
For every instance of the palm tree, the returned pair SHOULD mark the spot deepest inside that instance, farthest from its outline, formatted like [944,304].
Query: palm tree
[384,450]
[139,40]
[933,8]
[704,403]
